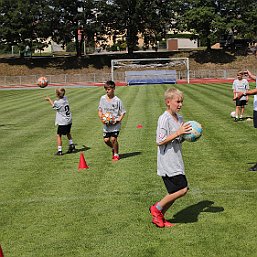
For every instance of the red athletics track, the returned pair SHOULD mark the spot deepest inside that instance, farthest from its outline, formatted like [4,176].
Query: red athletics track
[118,83]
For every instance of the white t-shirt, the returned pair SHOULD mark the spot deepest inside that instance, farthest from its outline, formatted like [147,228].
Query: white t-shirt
[113,106]
[240,86]
[63,113]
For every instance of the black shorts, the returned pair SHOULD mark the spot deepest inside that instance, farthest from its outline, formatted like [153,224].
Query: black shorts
[176,183]
[255,119]
[111,134]
[63,129]
[240,102]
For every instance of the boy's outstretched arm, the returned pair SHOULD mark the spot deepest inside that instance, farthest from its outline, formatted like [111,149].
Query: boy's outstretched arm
[249,92]
[49,100]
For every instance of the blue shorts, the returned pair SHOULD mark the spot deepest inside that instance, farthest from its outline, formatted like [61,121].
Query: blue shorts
[176,183]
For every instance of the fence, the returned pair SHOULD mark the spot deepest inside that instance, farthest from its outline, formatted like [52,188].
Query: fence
[101,77]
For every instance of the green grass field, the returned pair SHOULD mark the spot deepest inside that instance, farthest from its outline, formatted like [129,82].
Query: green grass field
[48,208]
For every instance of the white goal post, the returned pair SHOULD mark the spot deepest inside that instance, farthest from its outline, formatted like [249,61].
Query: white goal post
[150,70]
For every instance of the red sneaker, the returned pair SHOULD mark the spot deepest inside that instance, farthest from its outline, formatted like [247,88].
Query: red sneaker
[167,224]
[115,157]
[157,217]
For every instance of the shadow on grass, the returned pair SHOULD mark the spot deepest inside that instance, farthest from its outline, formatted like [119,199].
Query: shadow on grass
[78,150]
[9,126]
[127,155]
[4,125]
[191,213]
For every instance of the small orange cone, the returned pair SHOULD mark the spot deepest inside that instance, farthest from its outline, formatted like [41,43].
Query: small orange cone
[82,163]
[1,252]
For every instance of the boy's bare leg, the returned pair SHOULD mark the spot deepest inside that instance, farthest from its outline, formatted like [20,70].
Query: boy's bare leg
[59,140]
[169,199]
[108,142]
[115,145]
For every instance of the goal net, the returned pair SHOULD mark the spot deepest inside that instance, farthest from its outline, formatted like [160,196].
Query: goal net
[150,70]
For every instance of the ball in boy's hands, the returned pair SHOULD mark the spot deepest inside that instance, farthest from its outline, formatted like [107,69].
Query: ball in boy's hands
[42,82]
[107,118]
[195,132]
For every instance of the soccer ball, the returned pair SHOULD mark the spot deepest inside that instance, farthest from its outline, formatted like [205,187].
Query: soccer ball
[233,114]
[107,118]
[42,82]
[196,131]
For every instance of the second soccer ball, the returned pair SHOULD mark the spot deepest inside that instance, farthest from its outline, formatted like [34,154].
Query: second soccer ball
[195,133]
[107,118]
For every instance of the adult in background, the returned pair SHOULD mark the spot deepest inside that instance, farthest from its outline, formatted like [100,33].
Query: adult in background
[251,92]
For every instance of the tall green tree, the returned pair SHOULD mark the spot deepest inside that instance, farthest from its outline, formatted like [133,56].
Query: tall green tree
[65,21]
[132,17]
[23,23]
[210,18]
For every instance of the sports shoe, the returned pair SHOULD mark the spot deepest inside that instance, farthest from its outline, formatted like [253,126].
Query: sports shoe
[253,168]
[167,224]
[236,119]
[157,216]
[116,157]
[71,148]
[59,153]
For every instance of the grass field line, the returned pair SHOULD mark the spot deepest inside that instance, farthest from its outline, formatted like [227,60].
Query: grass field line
[125,195]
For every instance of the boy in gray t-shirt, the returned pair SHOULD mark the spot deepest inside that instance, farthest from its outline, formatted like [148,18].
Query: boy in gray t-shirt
[63,119]
[109,103]
[170,165]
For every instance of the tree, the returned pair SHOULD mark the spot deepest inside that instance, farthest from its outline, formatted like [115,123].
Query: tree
[120,16]
[132,17]
[211,18]
[23,24]
[65,20]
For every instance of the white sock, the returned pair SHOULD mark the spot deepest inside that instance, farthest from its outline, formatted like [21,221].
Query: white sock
[59,148]
[70,142]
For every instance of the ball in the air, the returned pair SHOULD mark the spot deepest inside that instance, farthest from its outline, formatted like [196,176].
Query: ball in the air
[195,133]
[107,118]
[42,82]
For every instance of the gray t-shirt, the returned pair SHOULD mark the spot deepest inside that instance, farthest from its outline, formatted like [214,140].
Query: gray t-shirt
[115,107]
[169,156]
[63,113]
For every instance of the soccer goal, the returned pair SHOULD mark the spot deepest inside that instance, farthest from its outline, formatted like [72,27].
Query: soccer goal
[150,70]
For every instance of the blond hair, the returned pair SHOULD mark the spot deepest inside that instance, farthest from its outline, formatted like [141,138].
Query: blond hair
[171,92]
[60,92]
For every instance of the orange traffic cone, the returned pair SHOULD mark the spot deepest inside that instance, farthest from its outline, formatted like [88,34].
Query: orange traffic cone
[82,163]
[1,252]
